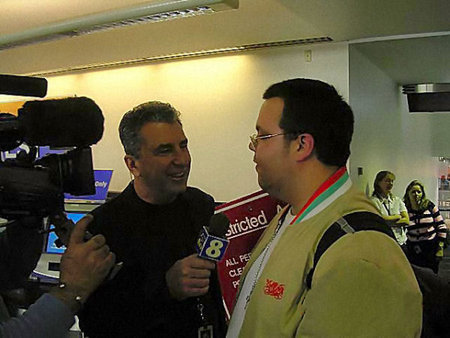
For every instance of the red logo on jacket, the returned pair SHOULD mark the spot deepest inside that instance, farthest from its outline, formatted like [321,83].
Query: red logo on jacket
[274,289]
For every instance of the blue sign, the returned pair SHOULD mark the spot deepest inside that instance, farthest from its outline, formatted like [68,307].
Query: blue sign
[51,246]
[44,150]
[102,179]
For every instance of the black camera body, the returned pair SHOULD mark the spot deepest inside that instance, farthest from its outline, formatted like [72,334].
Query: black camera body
[34,188]
[38,189]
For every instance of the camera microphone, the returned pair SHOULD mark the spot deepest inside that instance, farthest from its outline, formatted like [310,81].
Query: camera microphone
[69,122]
[23,85]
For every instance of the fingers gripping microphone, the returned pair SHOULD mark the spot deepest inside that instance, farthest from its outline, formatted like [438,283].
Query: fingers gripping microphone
[211,243]
[75,121]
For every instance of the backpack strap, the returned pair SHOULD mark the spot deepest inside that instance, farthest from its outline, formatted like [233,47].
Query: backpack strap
[347,224]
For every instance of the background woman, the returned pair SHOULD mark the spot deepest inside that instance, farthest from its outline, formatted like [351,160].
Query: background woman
[391,207]
[426,231]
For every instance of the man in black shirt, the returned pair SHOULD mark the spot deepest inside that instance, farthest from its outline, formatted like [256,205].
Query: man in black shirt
[163,289]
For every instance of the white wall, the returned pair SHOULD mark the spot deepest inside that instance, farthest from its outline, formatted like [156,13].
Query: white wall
[387,136]
[219,98]
[440,124]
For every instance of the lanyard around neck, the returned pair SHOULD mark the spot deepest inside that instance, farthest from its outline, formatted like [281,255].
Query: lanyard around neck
[387,207]
[326,189]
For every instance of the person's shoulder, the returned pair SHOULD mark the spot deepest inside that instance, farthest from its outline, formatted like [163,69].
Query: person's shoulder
[201,205]
[125,195]
[396,198]
[431,205]
[399,200]
[433,208]
[372,247]
[355,200]
[111,204]
[108,211]
[196,194]
[374,199]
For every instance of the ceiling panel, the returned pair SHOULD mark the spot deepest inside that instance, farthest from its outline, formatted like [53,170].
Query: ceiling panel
[19,15]
[255,21]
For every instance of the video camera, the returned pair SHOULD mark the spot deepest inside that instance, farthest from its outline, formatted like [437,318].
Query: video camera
[32,188]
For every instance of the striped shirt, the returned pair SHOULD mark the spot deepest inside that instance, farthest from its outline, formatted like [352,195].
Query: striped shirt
[425,225]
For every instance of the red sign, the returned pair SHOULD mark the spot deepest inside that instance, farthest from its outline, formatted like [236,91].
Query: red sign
[248,216]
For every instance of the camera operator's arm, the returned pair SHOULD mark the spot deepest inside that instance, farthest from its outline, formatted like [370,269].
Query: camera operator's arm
[83,267]
[20,249]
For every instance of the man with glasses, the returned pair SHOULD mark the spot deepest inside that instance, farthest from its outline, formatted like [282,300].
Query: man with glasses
[363,284]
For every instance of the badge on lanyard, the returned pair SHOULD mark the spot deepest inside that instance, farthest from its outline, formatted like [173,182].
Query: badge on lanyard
[205,331]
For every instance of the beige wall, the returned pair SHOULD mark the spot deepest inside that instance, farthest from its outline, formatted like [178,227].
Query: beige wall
[387,136]
[219,98]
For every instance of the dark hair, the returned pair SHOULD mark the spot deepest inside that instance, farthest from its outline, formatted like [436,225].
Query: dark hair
[316,108]
[376,188]
[425,201]
[132,122]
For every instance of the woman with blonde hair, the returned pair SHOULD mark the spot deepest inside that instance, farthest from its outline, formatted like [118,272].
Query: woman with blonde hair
[426,231]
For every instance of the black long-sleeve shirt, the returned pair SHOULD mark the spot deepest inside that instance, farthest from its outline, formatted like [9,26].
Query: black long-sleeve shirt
[149,239]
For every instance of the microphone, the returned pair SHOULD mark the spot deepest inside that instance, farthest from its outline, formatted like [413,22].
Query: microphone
[75,121]
[23,85]
[211,243]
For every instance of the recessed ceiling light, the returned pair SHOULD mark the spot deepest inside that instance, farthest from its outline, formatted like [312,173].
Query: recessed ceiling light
[144,13]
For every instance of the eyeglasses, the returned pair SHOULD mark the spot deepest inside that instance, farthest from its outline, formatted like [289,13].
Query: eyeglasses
[254,139]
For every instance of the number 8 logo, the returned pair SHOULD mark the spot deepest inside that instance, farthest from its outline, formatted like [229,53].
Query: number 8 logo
[213,250]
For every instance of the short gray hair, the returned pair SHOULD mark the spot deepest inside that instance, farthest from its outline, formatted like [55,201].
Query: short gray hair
[136,118]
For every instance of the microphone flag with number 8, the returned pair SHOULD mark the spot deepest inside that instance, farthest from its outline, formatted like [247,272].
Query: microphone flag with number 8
[212,244]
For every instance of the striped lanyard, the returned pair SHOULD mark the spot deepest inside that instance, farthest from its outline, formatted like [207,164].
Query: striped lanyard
[328,188]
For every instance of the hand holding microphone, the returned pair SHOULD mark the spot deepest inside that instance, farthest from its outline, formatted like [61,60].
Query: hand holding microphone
[189,277]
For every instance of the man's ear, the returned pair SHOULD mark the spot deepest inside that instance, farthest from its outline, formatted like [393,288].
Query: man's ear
[304,146]
[131,164]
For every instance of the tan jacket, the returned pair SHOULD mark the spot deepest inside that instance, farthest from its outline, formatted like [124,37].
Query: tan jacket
[363,285]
